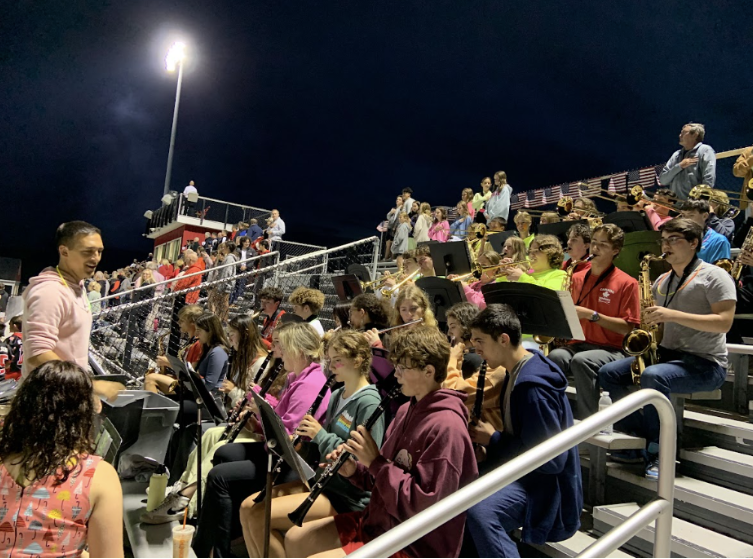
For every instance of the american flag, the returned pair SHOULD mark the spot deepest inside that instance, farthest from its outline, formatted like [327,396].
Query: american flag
[618,182]
[535,197]
[645,177]
[548,196]
[515,202]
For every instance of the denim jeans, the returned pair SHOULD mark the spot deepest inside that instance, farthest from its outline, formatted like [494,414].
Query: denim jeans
[678,372]
[491,521]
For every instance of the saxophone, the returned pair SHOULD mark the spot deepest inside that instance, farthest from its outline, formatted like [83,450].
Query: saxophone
[735,268]
[545,342]
[643,342]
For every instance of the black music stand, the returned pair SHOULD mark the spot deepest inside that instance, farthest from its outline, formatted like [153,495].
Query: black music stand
[360,271]
[630,222]
[347,287]
[191,380]
[278,445]
[560,229]
[497,240]
[637,245]
[442,293]
[450,258]
[541,311]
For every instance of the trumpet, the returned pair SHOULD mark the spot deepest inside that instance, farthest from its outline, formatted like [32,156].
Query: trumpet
[388,292]
[564,207]
[705,192]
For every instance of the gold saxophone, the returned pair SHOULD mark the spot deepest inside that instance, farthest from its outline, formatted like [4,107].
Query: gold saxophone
[735,267]
[643,342]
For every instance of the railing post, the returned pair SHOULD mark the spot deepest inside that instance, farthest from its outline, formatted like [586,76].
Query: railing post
[203,210]
[227,211]
[375,257]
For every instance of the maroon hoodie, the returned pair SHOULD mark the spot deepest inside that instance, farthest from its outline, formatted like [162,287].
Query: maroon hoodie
[427,455]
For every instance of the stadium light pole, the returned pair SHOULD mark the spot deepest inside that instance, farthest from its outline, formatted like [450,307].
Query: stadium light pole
[174,59]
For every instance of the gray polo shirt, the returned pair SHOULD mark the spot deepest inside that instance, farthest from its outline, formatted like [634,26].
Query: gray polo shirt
[706,285]
[680,180]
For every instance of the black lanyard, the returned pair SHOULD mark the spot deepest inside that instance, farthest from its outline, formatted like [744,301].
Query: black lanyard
[603,276]
[689,268]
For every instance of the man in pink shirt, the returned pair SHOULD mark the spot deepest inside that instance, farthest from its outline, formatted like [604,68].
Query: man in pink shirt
[57,314]
[659,213]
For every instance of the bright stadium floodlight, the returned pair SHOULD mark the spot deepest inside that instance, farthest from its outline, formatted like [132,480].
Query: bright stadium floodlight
[175,56]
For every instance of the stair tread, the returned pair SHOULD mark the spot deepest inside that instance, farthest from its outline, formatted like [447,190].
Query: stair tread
[720,454]
[685,532]
[695,491]
[574,546]
[616,441]
[723,425]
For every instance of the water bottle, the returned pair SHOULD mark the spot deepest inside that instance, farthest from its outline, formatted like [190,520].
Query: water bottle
[157,487]
[604,402]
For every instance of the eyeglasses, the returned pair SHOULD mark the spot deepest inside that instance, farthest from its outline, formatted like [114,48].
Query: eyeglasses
[671,241]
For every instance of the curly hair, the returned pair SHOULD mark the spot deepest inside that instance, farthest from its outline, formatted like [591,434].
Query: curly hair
[51,420]
[374,307]
[551,246]
[274,293]
[307,296]
[419,347]
[353,345]
[464,313]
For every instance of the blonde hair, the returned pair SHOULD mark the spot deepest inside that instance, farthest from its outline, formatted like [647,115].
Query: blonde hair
[301,339]
[523,217]
[425,208]
[353,345]
[493,257]
[462,208]
[190,313]
[417,295]
[588,204]
[551,246]
[551,217]
[518,248]
[467,194]
[94,286]
[307,296]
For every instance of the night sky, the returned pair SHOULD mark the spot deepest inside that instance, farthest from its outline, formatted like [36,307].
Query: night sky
[326,110]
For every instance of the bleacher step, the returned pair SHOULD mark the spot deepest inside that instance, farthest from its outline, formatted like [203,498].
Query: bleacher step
[719,466]
[720,430]
[688,540]
[714,507]
[574,546]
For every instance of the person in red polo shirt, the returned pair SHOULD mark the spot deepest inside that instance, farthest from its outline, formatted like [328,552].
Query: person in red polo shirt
[608,306]
[192,267]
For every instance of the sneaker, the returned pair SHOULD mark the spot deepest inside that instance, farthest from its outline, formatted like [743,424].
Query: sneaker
[652,469]
[177,486]
[631,456]
[172,508]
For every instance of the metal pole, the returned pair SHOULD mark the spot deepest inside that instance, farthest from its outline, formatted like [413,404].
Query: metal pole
[375,257]
[172,132]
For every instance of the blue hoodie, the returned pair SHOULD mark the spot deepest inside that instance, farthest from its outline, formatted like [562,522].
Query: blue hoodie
[540,410]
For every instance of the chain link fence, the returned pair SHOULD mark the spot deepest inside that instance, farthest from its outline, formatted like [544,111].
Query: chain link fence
[131,330]
[291,249]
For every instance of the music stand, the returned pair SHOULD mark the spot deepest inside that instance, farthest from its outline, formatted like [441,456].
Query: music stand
[442,294]
[541,311]
[347,287]
[497,240]
[278,445]
[360,271]
[560,229]
[191,380]
[630,222]
[637,245]
[450,258]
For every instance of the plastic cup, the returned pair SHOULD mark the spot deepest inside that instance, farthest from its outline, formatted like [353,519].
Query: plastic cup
[182,540]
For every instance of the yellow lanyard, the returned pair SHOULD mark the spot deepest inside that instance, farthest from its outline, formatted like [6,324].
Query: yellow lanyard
[65,283]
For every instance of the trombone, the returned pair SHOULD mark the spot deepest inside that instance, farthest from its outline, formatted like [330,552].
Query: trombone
[705,192]
[479,271]
[388,292]
[638,193]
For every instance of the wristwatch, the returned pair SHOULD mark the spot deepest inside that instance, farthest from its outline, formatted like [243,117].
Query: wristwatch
[595,317]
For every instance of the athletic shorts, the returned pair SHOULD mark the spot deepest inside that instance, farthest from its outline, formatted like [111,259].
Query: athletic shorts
[349,527]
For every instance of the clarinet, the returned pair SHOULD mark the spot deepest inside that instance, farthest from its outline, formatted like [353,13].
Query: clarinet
[312,410]
[478,405]
[298,515]
[234,429]
[235,414]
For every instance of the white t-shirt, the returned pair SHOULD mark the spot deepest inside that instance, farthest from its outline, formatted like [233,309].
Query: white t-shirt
[189,189]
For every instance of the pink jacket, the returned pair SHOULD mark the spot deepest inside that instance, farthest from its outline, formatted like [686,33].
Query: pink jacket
[656,220]
[440,231]
[56,318]
[473,294]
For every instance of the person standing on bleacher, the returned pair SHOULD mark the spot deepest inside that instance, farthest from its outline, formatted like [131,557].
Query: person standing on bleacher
[695,304]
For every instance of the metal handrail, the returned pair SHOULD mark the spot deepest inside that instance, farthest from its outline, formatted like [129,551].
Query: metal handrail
[460,501]
[275,255]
